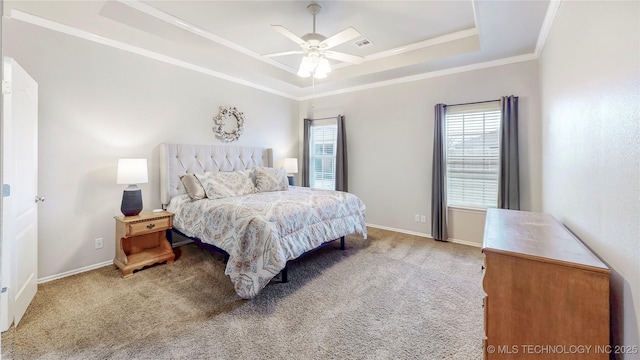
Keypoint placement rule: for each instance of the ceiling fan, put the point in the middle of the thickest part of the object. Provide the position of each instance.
(316, 46)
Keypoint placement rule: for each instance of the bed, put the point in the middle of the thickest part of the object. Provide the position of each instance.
(259, 227)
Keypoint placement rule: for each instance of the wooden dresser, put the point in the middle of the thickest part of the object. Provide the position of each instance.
(547, 294)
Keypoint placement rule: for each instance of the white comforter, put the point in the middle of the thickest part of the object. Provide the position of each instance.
(261, 231)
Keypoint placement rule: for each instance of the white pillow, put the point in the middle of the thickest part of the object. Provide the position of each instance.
(271, 179)
(226, 184)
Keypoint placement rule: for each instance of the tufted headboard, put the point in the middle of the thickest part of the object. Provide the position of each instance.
(178, 159)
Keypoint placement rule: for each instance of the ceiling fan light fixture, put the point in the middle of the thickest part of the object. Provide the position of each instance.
(316, 47)
(323, 66)
(307, 66)
(304, 73)
(316, 64)
(319, 75)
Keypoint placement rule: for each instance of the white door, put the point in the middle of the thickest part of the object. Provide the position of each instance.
(20, 198)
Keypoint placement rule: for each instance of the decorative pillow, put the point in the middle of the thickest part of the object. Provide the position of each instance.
(271, 179)
(226, 184)
(193, 186)
(251, 174)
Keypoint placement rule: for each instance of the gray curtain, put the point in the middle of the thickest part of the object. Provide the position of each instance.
(438, 181)
(509, 182)
(305, 153)
(341, 157)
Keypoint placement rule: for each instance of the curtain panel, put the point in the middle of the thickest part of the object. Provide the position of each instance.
(509, 180)
(342, 178)
(438, 180)
(305, 152)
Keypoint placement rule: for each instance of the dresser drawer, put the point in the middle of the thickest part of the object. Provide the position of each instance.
(146, 226)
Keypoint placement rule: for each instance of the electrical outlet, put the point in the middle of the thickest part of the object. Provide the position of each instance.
(98, 243)
(417, 217)
(423, 218)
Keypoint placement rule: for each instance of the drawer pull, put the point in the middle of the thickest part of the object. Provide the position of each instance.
(151, 226)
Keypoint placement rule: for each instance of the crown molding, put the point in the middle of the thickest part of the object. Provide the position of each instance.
(416, 46)
(428, 75)
(175, 21)
(552, 10)
(65, 29)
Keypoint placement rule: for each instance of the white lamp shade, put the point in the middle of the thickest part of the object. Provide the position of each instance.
(132, 171)
(291, 165)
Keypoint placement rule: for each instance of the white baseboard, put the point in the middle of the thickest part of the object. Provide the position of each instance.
(91, 267)
(409, 232)
(465, 242)
(110, 262)
(76, 271)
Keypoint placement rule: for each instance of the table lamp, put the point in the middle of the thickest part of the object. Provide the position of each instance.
(291, 167)
(132, 172)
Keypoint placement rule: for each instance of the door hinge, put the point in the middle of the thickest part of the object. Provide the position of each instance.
(6, 190)
(6, 87)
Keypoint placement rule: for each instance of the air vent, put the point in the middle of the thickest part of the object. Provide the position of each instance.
(363, 43)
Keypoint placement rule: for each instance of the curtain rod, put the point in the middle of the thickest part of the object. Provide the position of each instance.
(327, 118)
(473, 103)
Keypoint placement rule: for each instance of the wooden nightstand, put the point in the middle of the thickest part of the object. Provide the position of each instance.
(141, 241)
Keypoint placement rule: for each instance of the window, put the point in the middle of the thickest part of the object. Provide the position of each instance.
(322, 154)
(473, 153)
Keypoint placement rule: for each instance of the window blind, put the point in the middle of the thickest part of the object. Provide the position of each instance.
(473, 152)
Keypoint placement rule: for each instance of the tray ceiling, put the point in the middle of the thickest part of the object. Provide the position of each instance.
(228, 38)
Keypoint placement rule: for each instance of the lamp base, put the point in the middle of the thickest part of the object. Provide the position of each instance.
(292, 180)
(131, 201)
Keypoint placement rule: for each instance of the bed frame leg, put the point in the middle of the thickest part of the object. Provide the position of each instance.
(169, 233)
(342, 243)
(285, 275)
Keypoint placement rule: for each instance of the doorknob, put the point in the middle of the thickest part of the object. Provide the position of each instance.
(39, 198)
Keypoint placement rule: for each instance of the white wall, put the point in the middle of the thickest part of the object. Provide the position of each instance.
(98, 104)
(390, 142)
(590, 90)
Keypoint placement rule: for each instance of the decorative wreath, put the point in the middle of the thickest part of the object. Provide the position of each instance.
(220, 121)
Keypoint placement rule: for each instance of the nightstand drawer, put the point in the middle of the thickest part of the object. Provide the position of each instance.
(142, 227)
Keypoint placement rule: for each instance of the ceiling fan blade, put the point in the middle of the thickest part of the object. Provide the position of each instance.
(282, 30)
(294, 52)
(339, 38)
(344, 57)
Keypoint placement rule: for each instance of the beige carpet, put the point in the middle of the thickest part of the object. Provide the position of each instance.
(393, 296)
